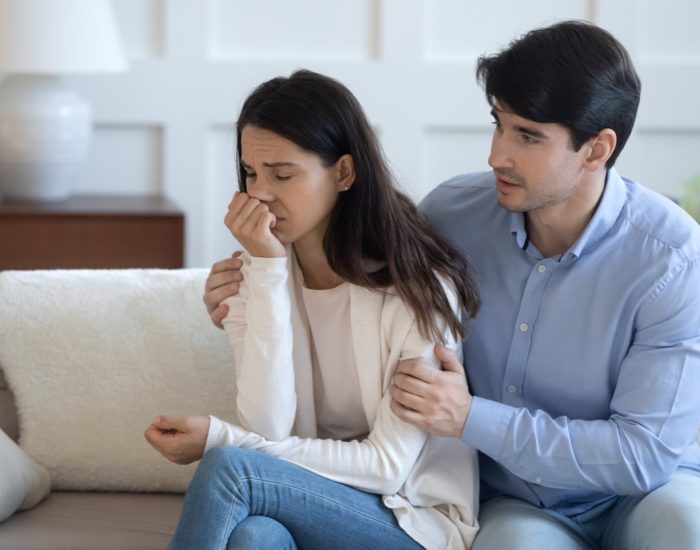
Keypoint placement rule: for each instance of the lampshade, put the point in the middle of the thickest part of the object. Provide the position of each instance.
(59, 36)
(45, 127)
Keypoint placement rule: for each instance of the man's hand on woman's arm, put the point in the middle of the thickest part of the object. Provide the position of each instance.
(223, 281)
(436, 401)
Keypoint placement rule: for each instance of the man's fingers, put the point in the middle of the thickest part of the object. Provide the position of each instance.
(407, 415)
(448, 358)
(405, 398)
(411, 384)
(417, 369)
(213, 298)
(224, 268)
(219, 314)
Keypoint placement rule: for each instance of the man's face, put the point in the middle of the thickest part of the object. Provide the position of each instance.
(534, 163)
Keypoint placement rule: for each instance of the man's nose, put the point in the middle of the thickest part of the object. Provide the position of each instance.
(500, 155)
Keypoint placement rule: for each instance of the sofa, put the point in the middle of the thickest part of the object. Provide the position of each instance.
(87, 358)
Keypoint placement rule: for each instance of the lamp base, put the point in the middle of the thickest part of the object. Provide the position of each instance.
(37, 182)
(45, 132)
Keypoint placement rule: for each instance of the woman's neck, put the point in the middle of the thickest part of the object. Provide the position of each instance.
(313, 262)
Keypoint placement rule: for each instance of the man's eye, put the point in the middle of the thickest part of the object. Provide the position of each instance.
(528, 139)
(283, 178)
(249, 175)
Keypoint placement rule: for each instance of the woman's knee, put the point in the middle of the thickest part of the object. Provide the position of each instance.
(261, 533)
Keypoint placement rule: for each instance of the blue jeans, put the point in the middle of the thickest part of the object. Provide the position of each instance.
(665, 519)
(246, 499)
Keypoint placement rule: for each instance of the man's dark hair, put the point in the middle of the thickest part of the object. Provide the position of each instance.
(572, 73)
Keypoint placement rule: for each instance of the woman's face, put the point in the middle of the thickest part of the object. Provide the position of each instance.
(298, 189)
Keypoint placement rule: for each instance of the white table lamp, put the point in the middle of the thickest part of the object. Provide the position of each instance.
(45, 127)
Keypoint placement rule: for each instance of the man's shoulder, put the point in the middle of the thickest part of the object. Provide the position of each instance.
(461, 192)
(656, 217)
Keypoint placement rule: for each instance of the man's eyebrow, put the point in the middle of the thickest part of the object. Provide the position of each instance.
(531, 132)
(522, 129)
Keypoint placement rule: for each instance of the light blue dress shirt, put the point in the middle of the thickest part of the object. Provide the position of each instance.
(585, 367)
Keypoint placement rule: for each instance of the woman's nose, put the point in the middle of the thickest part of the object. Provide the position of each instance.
(260, 189)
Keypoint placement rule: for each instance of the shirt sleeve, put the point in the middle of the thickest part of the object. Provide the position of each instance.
(654, 412)
(381, 462)
(258, 327)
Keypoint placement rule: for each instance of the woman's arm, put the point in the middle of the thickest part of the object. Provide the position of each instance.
(259, 328)
(381, 462)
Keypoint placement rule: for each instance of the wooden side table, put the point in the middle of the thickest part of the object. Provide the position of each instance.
(92, 231)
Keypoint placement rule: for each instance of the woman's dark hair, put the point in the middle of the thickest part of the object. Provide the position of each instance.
(572, 73)
(372, 220)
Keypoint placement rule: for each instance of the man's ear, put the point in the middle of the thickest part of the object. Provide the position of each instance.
(345, 172)
(600, 149)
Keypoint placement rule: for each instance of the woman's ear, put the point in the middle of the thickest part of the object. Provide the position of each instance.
(345, 172)
(601, 147)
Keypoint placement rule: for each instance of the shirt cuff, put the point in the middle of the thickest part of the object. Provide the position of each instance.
(214, 433)
(487, 425)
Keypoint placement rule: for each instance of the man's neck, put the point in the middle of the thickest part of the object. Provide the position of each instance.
(554, 228)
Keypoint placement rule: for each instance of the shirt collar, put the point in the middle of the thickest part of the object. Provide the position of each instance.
(604, 217)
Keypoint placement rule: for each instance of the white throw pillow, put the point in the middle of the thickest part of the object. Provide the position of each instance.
(92, 356)
(23, 483)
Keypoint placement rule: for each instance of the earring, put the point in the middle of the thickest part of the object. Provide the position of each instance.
(345, 188)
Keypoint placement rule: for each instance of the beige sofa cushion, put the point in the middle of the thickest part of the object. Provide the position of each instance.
(87, 521)
(91, 356)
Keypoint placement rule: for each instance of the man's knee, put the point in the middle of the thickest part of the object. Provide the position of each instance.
(666, 518)
(507, 523)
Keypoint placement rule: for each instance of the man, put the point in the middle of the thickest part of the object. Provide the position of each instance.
(582, 391)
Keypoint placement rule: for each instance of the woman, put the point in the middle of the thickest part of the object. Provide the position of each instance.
(342, 279)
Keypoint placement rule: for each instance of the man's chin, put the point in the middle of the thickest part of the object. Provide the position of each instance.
(507, 203)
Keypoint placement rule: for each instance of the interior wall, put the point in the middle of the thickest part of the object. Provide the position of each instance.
(165, 126)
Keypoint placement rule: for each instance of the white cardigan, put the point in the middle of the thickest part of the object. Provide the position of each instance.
(430, 483)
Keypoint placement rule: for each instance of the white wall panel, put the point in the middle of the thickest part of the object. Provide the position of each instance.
(662, 160)
(451, 151)
(123, 159)
(342, 30)
(668, 35)
(141, 25)
(460, 30)
(221, 182)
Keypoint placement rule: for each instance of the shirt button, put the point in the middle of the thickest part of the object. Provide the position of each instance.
(512, 388)
(538, 480)
(523, 327)
(541, 268)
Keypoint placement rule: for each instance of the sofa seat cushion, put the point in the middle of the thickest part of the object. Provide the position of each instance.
(82, 521)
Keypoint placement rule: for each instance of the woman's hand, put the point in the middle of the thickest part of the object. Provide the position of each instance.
(180, 439)
(251, 222)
